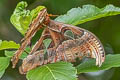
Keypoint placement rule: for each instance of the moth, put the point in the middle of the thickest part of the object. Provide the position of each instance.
(63, 47)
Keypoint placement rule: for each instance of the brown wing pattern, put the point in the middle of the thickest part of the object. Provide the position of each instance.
(89, 43)
(85, 44)
(61, 48)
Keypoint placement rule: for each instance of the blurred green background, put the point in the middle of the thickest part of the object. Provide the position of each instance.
(107, 29)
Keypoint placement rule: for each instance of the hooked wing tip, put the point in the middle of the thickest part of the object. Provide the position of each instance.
(100, 59)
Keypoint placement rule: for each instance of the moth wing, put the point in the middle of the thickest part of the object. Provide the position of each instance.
(87, 41)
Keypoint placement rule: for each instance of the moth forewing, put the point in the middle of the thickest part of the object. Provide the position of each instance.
(34, 27)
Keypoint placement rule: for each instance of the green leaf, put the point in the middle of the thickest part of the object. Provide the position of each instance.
(69, 34)
(35, 11)
(24, 55)
(87, 13)
(8, 45)
(55, 71)
(21, 17)
(1, 73)
(46, 44)
(11, 53)
(4, 63)
(89, 66)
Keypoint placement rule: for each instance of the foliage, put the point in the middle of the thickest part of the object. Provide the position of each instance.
(35, 11)
(89, 66)
(11, 53)
(55, 71)
(69, 34)
(8, 45)
(46, 42)
(21, 19)
(4, 62)
(87, 13)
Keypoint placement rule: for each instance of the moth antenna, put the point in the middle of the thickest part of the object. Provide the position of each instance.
(52, 15)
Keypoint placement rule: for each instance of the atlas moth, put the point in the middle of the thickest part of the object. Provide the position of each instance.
(63, 47)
